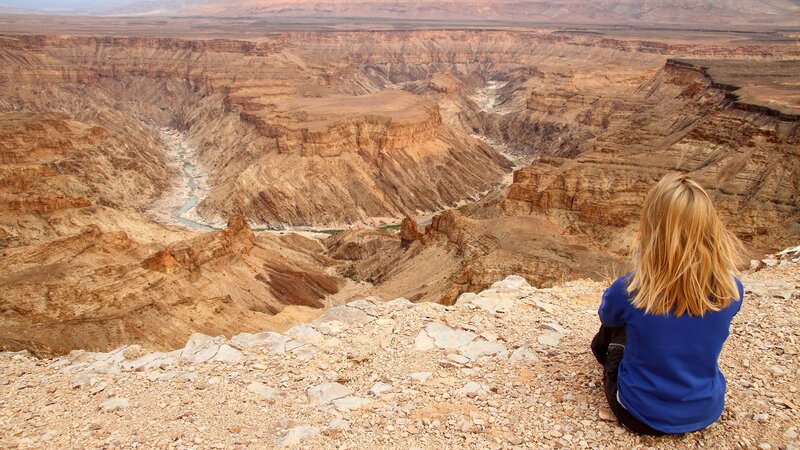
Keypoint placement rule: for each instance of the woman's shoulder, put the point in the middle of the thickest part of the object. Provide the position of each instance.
(619, 288)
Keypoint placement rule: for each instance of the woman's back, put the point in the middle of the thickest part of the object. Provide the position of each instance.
(664, 324)
(668, 377)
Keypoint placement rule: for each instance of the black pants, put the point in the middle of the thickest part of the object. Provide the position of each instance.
(608, 347)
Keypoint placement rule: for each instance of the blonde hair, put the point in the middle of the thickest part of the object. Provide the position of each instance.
(683, 256)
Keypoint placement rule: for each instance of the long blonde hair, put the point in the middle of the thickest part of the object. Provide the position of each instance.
(683, 256)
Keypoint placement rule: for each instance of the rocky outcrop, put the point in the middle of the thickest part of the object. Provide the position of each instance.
(457, 254)
(685, 123)
(466, 372)
(409, 232)
(98, 289)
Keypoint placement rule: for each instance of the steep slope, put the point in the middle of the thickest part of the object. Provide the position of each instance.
(98, 290)
(745, 153)
(509, 366)
(457, 254)
(286, 136)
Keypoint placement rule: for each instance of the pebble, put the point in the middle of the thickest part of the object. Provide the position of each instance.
(114, 404)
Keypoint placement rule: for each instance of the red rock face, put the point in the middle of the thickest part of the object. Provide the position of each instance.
(344, 127)
(746, 158)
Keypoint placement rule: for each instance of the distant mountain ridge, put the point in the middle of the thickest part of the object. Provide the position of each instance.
(706, 12)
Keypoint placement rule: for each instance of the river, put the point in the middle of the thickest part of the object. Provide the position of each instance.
(179, 206)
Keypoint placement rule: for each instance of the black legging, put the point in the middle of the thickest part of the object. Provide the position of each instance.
(608, 347)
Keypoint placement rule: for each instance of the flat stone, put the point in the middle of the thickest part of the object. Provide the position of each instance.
(511, 282)
(304, 333)
(339, 424)
(379, 388)
(331, 327)
(543, 306)
(606, 414)
(466, 297)
(523, 354)
(80, 379)
(297, 435)
(369, 305)
(447, 337)
(477, 349)
(458, 359)
(550, 338)
(472, 389)
(351, 403)
(197, 343)
(228, 354)
(114, 404)
(398, 304)
(555, 326)
(421, 377)
(325, 393)
(423, 342)
(97, 388)
(148, 361)
(276, 342)
(346, 315)
(263, 391)
(494, 304)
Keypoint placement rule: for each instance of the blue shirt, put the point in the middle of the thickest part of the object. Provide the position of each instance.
(669, 378)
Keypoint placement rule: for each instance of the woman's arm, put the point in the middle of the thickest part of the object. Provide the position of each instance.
(612, 306)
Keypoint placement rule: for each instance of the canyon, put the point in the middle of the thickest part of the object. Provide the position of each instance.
(154, 184)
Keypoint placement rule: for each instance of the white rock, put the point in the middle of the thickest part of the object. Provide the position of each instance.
(546, 307)
(476, 349)
(466, 297)
(149, 361)
(523, 354)
(339, 424)
(472, 389)
(423, 342)
(197, 343)
(398, 304)
(263, 391)
(555, 326)
(790, 433)
(97, 388)
(550, 338)
(297, 434)
(494, 304)
(331, 327)
(380, 388)
(777, 370)
(228, 354)
(458, 359)
(763, 417)
(351, 403)
(114, 404)
(421, 377)
(345, 314)
(606, 414)
(325, 393)
(276, 342)
(447, 337)
(511, 282)
(304, 333)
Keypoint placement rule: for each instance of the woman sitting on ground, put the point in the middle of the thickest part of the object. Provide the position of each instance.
(664, 324)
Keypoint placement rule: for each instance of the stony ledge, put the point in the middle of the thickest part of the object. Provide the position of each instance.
(506, 367)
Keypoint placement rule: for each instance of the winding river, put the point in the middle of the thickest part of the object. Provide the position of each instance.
(179, 207)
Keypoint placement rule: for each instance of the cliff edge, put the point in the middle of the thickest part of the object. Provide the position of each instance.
(507, 367)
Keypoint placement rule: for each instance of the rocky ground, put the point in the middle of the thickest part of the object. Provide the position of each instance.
(507, 367)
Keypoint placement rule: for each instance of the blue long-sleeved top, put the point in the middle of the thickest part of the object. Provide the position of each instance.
(669, 377)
